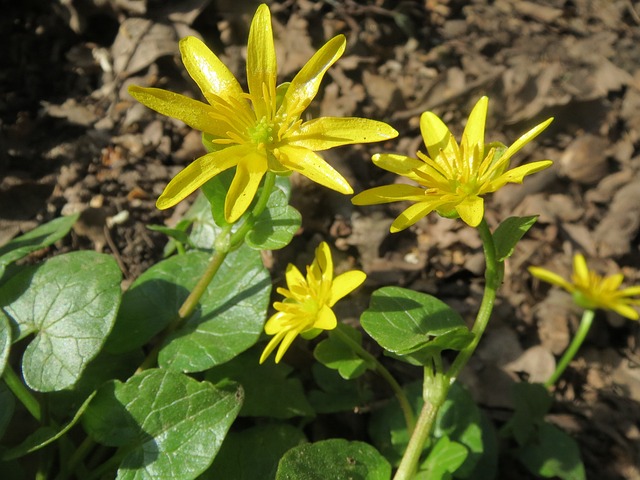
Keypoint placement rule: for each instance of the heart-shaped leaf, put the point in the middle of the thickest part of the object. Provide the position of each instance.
(169, 425)
(70, 303)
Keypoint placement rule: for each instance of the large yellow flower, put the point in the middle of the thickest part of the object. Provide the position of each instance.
(452, 177)
(591, 291)
(306, 308)
(260, 131)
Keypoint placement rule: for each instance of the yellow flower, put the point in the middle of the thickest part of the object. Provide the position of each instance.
(306, 308)
(452, 177)
(260, 131)
(591, 291)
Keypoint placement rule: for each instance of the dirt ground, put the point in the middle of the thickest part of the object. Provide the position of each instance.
(71, 139)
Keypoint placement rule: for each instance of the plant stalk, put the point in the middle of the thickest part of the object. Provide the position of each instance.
(581, 334)
(21, 392)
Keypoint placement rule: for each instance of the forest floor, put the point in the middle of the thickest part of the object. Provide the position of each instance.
(72, 140)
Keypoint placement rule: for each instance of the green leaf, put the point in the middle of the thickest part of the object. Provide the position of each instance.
(38, 238)
(7, 406)
(335, 354)
(44, 436)
(413, 325)
(215, 191)
(5, 341)
(443, 460)
(168, 425)
(335, 394)
(268, 390)
(336, 459)
(531, 401)
(70, 303)
(552, 453)
(509, 233)
(230, 316)
(266, 444)
(277, 224)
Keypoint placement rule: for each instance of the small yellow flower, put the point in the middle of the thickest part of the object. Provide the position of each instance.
(452, 177)
(591, 291)
(306, 308)
(260, 131)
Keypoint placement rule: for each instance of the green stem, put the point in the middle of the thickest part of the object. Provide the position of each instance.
(78, 457)
(22, 393)
(407, 411)
(581, 333)
(437, 385)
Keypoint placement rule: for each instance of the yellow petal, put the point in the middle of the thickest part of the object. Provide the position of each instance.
(580, 270)
(471, 210)
(412, 214)
(325, 262)
(197, 173)
(612, 282)
(295, 279)
(262, 70)
(326, 319)
(398, 164)
(273, 343)
(550, 277)
(435, 134)
(388, 194)
(313, 167)
(474, 130)
(516, 175)
(328, 132)
(244, 186)
(288, 339)
(344, 284)
(206, 69)
(305, 84)
(275, 323)
(624, 310)
(630, 291)
(192, 112)
(524, 139)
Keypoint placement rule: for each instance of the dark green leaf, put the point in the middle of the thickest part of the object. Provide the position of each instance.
(509, 233)
(336, 459)
(269, 392)
(7, 406)
(413, 325)
(335, 394)
(552, 454)
(215, 190)
(276, 226)
(531, 401)
(70, 303)
(5, 341)
(169, 425)
(444, 459)
(38, 238)
(267, 443)
(335, 354)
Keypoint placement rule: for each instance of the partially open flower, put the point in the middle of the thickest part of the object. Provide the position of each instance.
(306, 308)
(451, 178)
(261, 130)
(591, 291)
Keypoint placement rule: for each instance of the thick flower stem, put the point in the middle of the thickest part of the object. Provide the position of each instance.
(22, 393)
(581, 333)
(437, 385)
(407, 411)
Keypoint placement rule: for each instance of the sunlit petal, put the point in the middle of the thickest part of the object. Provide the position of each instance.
(398, 164)
(271, 346)
(328, 132)
(326, 319)
(625, 310)
(516, 175)
(306, 83)
(613, 282)
(580, 269)
(471, 210)
(314, 167)
(412, 214)
(473, 134)
(344, 284)
(244, 186)
(524, 139)
(389, 193)
(435, 133)
(197, 173)
(262, 68)
(288, 339)
(630, 291)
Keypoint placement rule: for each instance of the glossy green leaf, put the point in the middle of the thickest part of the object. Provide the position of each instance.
(509, 233)
(44, 436)
(7, 406)
(335, 394)
(266, 444)
(38, 238)
(70, 303)
(169, 425)
(337, 459)
(335, 354)
(552, 454)
(443, 460)
(413, 325)
(269, 391)
(276, 226)
(215, 191)
(230, 316)
(531, 402)
(5, 341)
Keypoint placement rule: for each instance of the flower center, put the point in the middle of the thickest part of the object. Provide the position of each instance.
(262, 132)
